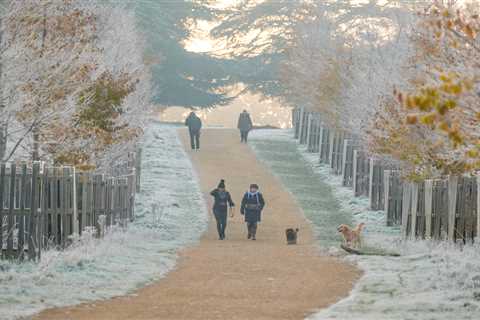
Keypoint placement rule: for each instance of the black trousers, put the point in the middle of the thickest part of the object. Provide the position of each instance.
(252, 228)
(195, 139)
(221, 218)
(244, 136)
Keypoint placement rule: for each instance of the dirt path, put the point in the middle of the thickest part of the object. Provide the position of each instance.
(236, 278)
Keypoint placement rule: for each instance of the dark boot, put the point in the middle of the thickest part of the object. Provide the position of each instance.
(219, 228)
(254, 231)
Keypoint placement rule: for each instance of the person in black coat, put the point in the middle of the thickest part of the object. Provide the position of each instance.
(194, 124)
(244, 125)
(222, 202)
(252, 206)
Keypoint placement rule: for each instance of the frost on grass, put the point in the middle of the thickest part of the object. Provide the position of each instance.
(124, 260)
(430, 280)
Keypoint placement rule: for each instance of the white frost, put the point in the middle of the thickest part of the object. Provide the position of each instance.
(94, 269)
(430, 280)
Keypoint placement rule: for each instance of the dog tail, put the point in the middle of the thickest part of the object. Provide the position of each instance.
(360, 227)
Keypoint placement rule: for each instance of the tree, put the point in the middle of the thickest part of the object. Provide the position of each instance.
(77, 84)
(443, 102)
(49, 57)
(345, 56)
(253, 37)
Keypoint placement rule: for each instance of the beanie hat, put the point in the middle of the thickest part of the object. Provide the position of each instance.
(221, 185)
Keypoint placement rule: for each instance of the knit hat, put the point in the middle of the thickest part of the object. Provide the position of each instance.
(221, 185)
(254, 185)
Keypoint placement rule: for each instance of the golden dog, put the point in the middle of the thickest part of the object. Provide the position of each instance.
(351, 237)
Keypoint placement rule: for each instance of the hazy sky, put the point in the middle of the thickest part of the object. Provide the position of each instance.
(264, 111)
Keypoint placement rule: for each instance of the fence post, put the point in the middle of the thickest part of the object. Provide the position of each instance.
(478, 209)
(330, 145)
(138, 169)
(344, 158)
(319, 137)
(2, 188)
(354, 175)
(320, 149)
(75, 221)
(406, 200)
(22, 219)
(428, 208)
(386, 188)
(370, 181)
(452, 204)
(294, 115)
(43, 215)
(300, 125)
(413, 212)
(309, 128)
(11, 208)
(33, 212)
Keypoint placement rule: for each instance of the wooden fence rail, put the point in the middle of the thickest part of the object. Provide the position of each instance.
(432, 209)
(43, 207)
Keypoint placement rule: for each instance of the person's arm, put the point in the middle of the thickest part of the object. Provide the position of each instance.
(261, 201)
(239, 123)
(214, 192)
(244, 201)
(187, 121)
(230, 201)
(200, 123)
(250, 121)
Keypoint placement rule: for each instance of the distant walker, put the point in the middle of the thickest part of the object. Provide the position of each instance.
(194, 124)
(244, 125)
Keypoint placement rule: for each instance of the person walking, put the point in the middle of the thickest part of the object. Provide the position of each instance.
(222, 201)
(194, 124)
(244, 125)
(252, 206)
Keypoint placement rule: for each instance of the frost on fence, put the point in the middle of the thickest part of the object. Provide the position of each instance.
(43, 207)
(438, 209)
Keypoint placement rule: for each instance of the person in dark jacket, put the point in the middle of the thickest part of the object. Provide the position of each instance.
(222, 202)
(244, 125)
(252, 206)
(194, 124)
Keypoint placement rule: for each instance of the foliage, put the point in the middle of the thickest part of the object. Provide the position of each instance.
(96, 123)
(444, 102)
(47, 43)
(345, 56)
(104, 103)
(77, 89)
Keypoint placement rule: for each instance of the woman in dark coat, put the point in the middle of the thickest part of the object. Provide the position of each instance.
(223, 201)
(252, 206)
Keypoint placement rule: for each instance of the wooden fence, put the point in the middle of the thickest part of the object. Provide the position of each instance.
(43, 207)
(433, 209)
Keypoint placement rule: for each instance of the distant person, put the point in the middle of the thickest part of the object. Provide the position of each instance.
(244, 125)
(223, 201)
(252, 206)
(194, 124)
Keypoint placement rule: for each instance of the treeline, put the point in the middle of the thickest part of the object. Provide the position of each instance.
(74, 86)
(403, 77)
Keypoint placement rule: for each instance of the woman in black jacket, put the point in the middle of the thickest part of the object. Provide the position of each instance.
(252, 206)
(223, 201)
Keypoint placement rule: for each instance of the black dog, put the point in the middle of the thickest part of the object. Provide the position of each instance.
(291, 235)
